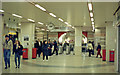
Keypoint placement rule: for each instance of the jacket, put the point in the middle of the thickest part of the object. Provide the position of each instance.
(89, 46)
(19, 49)
(8, 45)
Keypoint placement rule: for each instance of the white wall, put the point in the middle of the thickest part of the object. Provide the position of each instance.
(27, 29)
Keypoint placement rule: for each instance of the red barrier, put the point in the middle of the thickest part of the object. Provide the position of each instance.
(25, 53)
(111, 59)
(34, 53)
(104, 55)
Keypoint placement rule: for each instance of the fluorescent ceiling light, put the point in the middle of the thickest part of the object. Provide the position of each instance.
(93, 23)
(73, 27)
(92, 19)
(40, 23)
(19, 24)
(2, 11)
(66, 23)
(60, 19)
(52, 15)
(42, 29)
(90, 6)
(17, 16)
(40, 7)
(47, 30)
(37, 28)
(69, 25)
(91, 14)
(31, 20)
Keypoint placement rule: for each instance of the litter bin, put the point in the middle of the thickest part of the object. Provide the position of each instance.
(104, 55)
(25, 53)
(112, 54)
(34, 53)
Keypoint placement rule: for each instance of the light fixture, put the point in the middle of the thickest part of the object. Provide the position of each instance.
(42, 29)
(73, 27)
(19, 24)
(91, 14)
(47, 30)
(90, 6)
(66, 23)
(40, 23)
(69, 25)
(92, 19)
(93, 23)
(37, 28)
(2, 11)
(46, 25)
(60, 19)
(52, 14)
(40, 7)
(17, 15)
(31, 20)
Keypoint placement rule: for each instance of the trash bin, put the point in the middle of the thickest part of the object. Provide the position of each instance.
(104, 55)
(34, 53)
(112, 54)
(25, 53)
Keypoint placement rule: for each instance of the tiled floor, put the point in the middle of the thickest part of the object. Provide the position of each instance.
(62, 64)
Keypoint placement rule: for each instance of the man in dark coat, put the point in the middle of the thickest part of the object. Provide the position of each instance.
(39, 48)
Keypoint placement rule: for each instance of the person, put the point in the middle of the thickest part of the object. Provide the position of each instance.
(50, 48)
(45, 50)
(93, 48)
(55, 47)
(72, 49)
(65, 46)
(99, 50)
(90, 48)
(18, 50)
(8, 47)
(39, 48)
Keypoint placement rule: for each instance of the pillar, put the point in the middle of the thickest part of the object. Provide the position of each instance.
(111, 41)
(27, 30)
(78, 40)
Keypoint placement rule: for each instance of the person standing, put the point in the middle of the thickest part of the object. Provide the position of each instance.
(45, 50)
(8, 47)
(90, 48)
(50, 48)
(39, 48)
(55, 48)
(18, 53)
(93, 48)
(99, 50)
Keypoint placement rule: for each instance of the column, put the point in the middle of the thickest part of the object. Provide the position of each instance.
(27, 30)
(111, 41)
(78, 40)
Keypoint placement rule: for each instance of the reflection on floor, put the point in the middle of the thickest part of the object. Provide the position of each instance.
(62, 64)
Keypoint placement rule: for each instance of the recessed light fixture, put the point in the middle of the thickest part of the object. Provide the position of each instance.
(90, 6)
(19, 24)
(93, 23)
(31, 20)
(40, 7)
(60, 19)
(40, 23)
(17, 15)
(2, 11)
(91, 14)
(66, 23)
(92, 19)
(42, 29)
(52, 14)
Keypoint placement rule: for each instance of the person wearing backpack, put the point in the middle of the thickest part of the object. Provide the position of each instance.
(99, 50)
(8, 47)
(18, 53)
(90, 48)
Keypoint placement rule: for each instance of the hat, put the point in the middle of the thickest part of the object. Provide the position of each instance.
(6, 36)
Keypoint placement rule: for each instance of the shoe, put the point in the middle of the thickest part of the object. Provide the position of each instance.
(100, 57)
(5, 67)
(96, 57)
(46, 60)
(43, 60)
(16, 67)
(9, 66)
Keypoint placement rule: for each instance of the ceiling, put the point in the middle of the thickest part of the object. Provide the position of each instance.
(75, 13)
